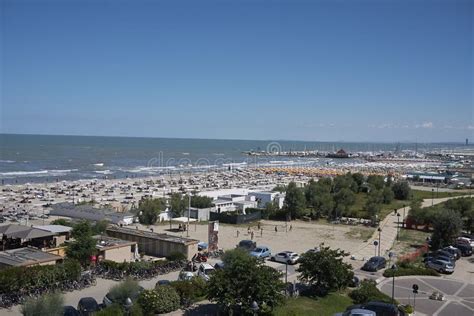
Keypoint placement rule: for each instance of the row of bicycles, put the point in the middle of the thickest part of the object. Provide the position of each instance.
(7, 300)
(137, 273)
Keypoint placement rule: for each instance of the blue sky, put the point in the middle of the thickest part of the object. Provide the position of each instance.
(299, 70)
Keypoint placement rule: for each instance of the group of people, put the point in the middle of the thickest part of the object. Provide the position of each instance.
(251, 233)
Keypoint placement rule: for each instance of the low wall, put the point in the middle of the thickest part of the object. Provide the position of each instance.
(235, 219)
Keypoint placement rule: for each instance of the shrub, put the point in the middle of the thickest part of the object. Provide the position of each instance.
(367, 292)
(176, 256)
(163, 299)
(406, 268)
(127, 289)
(190, 291)
(46, 305)
(112, 310)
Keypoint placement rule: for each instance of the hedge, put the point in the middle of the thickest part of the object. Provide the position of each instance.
(409, 270)
(24, 279)
(367, 292)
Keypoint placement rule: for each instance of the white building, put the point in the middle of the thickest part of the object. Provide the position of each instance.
(263, 198)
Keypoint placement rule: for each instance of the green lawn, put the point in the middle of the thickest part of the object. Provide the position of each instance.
(329, 305)
(362, 233)
(417, 194)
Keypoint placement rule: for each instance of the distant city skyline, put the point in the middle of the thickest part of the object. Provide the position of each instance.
(353, 71)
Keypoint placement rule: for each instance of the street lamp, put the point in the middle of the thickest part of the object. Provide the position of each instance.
(189, 212)
(128, 305)
(398, 226)
(432, 196)
(403, 219)
(376, 243)
(254, 307)
(380, 239)
(394, 267)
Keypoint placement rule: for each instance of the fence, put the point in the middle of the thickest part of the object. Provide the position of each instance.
(235, 218)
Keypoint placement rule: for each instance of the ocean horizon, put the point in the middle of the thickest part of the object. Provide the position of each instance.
(47, 158)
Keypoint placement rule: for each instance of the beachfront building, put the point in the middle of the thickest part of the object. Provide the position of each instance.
(263, 198)
(26, 257)
(17, 236)
(154, 244)
(89, 212)
(117, 250)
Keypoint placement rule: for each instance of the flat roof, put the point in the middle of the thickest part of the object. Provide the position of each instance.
(88, 212)
(107, 242)
(54, 228)
(23, 232)
(152, 235)
(26, 257)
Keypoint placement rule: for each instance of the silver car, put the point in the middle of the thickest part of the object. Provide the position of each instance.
(288, 257)
(440, 266)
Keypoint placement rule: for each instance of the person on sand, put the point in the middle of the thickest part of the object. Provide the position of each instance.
(291, 227)
(276, 229)
(261, 232)
(251, 235)
(238, 233)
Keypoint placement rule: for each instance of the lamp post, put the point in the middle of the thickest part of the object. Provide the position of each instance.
(398, 226)
(380, 238)
(432, 197)
(403, 219)
(376, 243)
(415, 291)
(189, 212)
(394, 267)
(254, 307)
(128, 305)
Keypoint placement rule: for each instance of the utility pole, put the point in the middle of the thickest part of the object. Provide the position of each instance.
(189, 213)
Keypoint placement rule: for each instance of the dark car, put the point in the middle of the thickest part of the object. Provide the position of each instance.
(466, 250)
(70, 311)
(374, 264)
(163, 282)
(109, 299)
(381, 309)
(445, 253)
(248, 245)
(454, 251)
(87, 306)
(436, 256)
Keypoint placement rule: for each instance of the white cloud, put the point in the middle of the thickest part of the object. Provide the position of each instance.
(470, 127)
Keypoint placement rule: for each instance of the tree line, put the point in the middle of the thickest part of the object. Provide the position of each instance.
(333, 198)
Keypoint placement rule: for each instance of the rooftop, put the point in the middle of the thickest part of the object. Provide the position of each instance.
(107, 242)
(26, 257)
(23, 232)
(54, 228)
(152, 235)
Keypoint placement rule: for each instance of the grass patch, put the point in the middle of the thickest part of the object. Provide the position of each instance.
(419, 194)
(413, 237)
(416, 268)
(362, 233)
(328, 305)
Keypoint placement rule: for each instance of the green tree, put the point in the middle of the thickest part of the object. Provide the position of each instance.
(201, 201)
(99, 227)
(447, 226)
(344, 199)
(83, 245)
(270, 209)
(376, 182)
(190, 291)
(295, 202)
(62, 221)
(244, 280)
(178, 204)
(358, 178)
(149, 209)
(163, 299)
(387, 195)
(401, 190)
(367, 292)
(279, 188)
(126, 289)
(46, 305)
(325, 270)
(345, 182)
(112, 310)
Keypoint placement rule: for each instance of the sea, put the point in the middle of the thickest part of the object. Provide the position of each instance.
(47, 158)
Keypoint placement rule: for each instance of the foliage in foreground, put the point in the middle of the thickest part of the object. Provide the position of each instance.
(46, 305)
(83, 246)
(163, 299)
(308, 306)
(17, 279)
(127, 289)
(406, 268)
(190, 291)
(325, 270)
(244, 280)
(367, 292)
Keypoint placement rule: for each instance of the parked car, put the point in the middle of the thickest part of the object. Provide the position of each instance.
(248, 245)
(162, 282)
(261, 252)
(70, 311)
(202, 246)
(440, 266)
(445, 253)
(357, 312)
(454, 251)
(466, 250)
(436, 256)
(465, 240)
(380, 309)
(87, 306)
(288, 257)
(185, 276)
(205, 271)
(109, 299)
(219, 265)
(374, 264)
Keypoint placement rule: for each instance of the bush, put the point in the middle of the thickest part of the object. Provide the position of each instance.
(127, 289)
(163, 299)
(176, 256)
(29, 278)
(367, 292)
(46, 305)
(190, 291)
(406, 268)
(112, 310)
